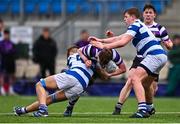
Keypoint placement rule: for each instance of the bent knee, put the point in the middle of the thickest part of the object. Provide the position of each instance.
(38, 84)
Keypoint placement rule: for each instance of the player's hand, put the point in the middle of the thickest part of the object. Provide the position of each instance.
(109, 33)
(97, 44)
(92, 38)
(88, 63)
(168, 44)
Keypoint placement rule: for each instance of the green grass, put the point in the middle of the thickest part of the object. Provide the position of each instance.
(91, 110)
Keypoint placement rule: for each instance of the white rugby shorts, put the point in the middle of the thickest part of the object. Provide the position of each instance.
(69, 84)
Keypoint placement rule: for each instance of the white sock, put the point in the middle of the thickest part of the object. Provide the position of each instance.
(3, 92)
(11, 91)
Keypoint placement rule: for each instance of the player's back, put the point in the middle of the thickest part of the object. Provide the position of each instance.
(78, 69)
(92, 52)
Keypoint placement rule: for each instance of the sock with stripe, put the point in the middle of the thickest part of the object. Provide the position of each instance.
(142, 107)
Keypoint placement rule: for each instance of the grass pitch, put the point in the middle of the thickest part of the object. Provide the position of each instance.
(91, 110)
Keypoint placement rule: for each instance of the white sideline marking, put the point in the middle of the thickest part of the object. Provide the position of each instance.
(94, 113)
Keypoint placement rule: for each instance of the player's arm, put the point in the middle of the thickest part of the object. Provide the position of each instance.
(106, 40)
(165, 38)
(168, 44)
(121, 69)
(118, 42)
(87, 62)
(102, 74)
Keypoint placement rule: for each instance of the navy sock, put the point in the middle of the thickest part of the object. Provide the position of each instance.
(72, 103)
(118, 105)
(43, 107)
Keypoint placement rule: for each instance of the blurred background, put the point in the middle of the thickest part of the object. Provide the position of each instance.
(66, 22)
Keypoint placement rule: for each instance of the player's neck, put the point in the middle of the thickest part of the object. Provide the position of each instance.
(148, 23)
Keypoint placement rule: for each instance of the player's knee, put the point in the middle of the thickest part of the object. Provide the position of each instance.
(133, 79)
(41, 83)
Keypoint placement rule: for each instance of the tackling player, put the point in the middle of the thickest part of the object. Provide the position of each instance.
(146, 45)
(94, 54)
(149, 15)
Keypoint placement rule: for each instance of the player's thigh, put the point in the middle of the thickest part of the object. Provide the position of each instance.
(131, 71)
(139, 74)
(50, 82)
(154, 63)
(60, 95)
(148, 81)
(74, 92)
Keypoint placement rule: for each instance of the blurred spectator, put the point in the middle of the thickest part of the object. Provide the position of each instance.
(174, 71)
(1, 29)
(84, 35)
(44, 53)
(1, 38)
(7, 52)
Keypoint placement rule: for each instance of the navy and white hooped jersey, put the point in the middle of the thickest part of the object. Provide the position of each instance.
(92, 52)
(78, 69)
(144, 40)
(159, 32)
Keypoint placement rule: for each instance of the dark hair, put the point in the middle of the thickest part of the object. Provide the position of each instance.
(84, 31)
(6, 31)
(69, 50)
(46, 29)
(149, 6)
(104, 57)
(133, 11)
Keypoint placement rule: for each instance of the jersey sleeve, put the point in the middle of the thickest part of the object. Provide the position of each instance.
(133, 29)
(85, 51)
(116, 57)
(89, 51)
(164, 34)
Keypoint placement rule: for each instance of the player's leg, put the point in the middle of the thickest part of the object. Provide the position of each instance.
(69, 108)
(155, 85)
(149, 94)
(50, 83)
(122, 98)
(123, 95)
(53, 98)
(136, 79)
(151, 65)
(2, 90)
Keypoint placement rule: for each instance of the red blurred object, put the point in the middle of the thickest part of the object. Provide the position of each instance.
(6, 87)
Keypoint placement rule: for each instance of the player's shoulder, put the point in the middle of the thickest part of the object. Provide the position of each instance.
(159, 26)
(137, 23)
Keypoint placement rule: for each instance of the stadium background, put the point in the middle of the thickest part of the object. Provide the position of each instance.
(66, 18)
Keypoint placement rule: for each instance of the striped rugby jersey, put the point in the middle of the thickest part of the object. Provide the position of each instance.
(159, 32)
(78, 69)
(144, 40)
(92, 52)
